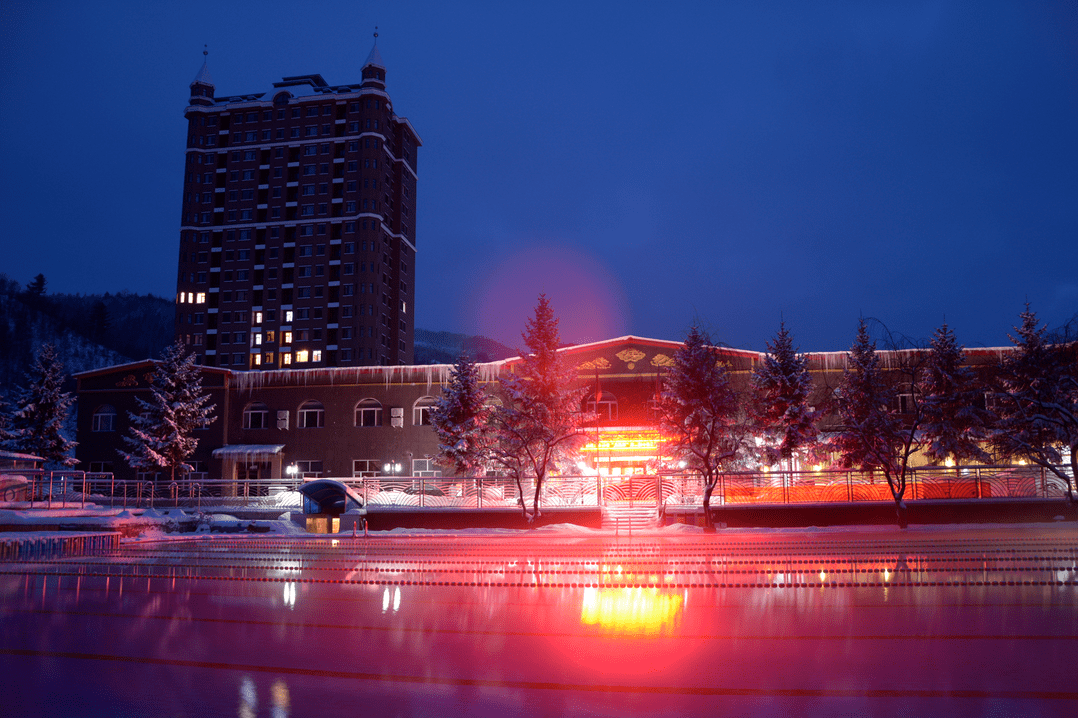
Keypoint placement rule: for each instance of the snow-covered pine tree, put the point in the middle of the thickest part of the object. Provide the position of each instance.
(781, 411)
(699, 412)
(6, 433)
(955, 421)
(873, 437)
(1038, 401)
(460, 420)
(41, 407)
(162, 435)
(538, 420)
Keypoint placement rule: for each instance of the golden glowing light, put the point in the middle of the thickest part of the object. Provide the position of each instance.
(612, 441)
(949, 462)
(631, 611)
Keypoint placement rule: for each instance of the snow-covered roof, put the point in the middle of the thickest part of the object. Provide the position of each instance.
(9, 455)
(375, 58)
(203, 76)
(246, 450)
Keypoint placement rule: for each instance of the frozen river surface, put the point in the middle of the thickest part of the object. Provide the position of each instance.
(930, 621)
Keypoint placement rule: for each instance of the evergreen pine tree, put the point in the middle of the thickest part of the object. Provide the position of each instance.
(41, 408)
(538, 420)
(955, 423)
(36, 287)
(460, 420)
(6, 433)
(162, 435)
(873, 437)
(1038, 413)
(782, 385)
(699, 412)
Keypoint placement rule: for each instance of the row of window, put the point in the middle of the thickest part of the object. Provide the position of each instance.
(238, 118)
(210, 158)
(312, 414)
(372, 468)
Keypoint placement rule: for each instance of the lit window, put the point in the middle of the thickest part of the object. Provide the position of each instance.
(288, 316)
(316, 355)
(302, 356)
(286, 358)
(258, 317)
(200, 298)
(257, 358)
(190, 298)
(286, 337)
(258, 339)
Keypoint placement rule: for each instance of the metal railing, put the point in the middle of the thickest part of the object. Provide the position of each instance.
(67, 488)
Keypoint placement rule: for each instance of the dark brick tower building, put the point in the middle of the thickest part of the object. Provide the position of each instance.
(297, 237)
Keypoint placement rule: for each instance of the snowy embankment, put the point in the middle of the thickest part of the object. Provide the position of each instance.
(144, 525)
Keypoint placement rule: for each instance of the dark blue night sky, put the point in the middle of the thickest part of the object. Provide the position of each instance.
(645, 164)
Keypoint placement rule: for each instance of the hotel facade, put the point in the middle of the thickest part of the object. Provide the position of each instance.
(297, 231)
(355, 422)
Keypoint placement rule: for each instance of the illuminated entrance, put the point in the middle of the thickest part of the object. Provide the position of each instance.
(621, 451)
(626, 461)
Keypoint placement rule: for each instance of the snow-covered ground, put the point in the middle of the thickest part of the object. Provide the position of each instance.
(955, 621)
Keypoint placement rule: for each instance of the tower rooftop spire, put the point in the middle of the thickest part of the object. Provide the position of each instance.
(203, 76)
(375, 57)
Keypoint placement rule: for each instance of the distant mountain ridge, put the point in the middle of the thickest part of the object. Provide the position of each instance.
(444, 347)
(91, 331)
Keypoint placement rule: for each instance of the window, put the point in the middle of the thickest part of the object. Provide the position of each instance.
(312, 415)
(104, 419)
(366, 467)
(309, 469)
(369, 413)
(606, 406)
(421, 410)
(425, 468)
(255, 416)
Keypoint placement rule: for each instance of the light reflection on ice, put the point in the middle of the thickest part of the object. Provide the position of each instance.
(632, 611)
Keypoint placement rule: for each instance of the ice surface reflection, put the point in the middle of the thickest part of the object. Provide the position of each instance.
(280, 702)
(730, 624)
(632, 611)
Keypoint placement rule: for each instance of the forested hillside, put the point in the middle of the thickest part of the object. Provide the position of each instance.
(88, 330)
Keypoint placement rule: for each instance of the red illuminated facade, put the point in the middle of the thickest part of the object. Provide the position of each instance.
(346, 422)
(298, 237)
